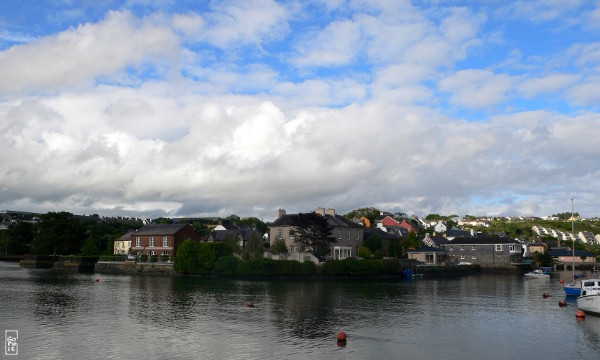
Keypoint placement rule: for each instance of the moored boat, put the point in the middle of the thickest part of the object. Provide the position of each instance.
(537, 274)
(573, 288)
(589, 300)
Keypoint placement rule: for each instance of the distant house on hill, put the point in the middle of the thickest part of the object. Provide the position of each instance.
(566, 256)
(163, 240)
(429, 255)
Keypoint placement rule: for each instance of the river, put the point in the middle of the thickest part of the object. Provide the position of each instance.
(73, 316)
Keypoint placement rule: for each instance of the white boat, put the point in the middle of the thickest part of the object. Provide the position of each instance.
(589, 300)
(537, 274)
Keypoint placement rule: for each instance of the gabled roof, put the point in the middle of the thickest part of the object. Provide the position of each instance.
(161, 229)
(126, 237)
(382, 234)
(220, 235)
(334, 221)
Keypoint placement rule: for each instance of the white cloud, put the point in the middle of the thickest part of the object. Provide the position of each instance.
(335, 45)
(548, 84)
(476, 88)
(79, 55)
(239, 22)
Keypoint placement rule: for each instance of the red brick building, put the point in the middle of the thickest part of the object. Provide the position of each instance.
(161, 239)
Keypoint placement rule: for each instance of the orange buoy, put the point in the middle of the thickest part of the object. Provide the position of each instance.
(97, 280)
(546, 295)
(580, 314)
(341, 337)
(562, 303)
(250, 304)
(562, 281)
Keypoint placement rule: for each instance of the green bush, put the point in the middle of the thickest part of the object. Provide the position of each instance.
(351, 267)
(226, 265)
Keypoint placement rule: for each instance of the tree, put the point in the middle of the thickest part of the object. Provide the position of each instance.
(411, 241)
(312, 233)
(373, 243)
(364, 252)
(394, 248)
(188, 259)
(59, 233)
(279, 247)
(254, 247)
(19, 237)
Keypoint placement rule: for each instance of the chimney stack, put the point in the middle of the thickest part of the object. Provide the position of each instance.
(280, 213)
(330, 212)
(320, 211)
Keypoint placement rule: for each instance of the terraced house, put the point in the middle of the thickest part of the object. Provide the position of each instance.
(349, 235)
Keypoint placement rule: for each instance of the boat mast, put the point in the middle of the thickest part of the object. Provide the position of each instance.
(573, 237)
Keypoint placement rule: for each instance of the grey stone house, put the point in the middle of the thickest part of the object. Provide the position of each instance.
(349, 235)
(487, 251)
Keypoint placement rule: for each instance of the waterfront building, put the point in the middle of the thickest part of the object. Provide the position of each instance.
(161, 240)
(349, 235)
(487, 251)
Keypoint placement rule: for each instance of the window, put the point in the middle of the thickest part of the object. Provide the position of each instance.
(340, 234)
(291, 248)
(356, 234)
(279, 235)
(165, 241)
(348, 234)
(498, 247)
(151, 241)
(462, 257)
(138, 241)
(165, 253)
(450, 247)
(152, 253)
(473, 247)
(473, 257)
(342, 252)
(511, 247)
(462, 248)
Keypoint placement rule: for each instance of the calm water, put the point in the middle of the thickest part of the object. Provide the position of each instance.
(132, 317)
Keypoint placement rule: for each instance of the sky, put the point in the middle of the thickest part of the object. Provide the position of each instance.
(211, 108)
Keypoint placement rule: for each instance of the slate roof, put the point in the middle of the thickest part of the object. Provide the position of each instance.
(334, 221)
(126, 237)
(160, 229)
(578, 253)
(483, 240)
(382, 234)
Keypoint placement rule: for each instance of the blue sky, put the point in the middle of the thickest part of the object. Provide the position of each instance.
(185, 108)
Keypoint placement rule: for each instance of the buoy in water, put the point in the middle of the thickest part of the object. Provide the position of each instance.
(580, 314)
(562, 303)
(250, 304)
(562, 281)
(341, 338)
(97, 280)
(546, 295)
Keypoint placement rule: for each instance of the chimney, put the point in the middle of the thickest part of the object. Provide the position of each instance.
(280, 213)
(330, 212)
(320, 211)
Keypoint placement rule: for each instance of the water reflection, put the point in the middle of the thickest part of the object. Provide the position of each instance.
(72, 316)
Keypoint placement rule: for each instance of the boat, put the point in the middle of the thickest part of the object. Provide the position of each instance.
(589, 300)
(573, 288)
(537, 274)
